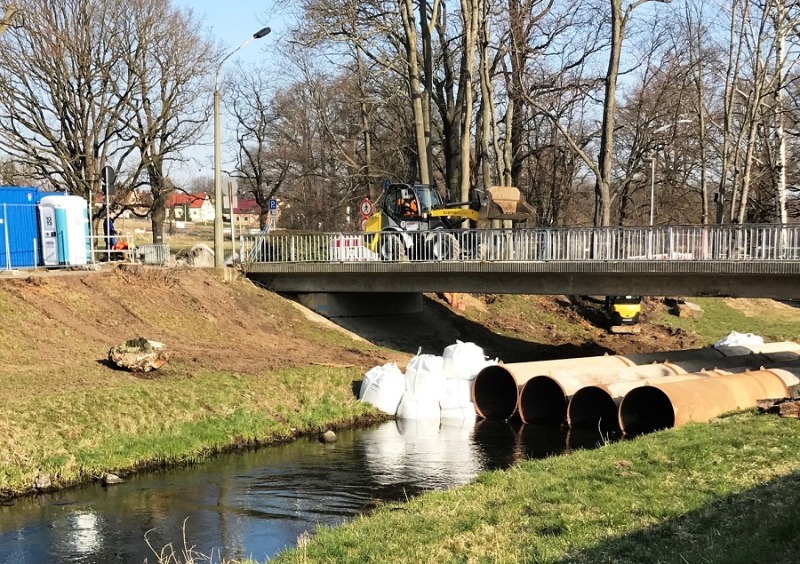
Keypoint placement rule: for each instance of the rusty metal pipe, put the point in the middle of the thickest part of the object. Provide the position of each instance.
(495, 390)
(544, 399)
(662, 406)
(594, 407)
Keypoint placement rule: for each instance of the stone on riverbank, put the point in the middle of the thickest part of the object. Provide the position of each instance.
(139, 355)
(42, 481)
(327, 437)
(109, 479)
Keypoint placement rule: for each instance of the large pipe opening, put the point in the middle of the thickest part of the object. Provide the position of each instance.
(644, 410)
(542, 401)
(494, 393)
(592, 407)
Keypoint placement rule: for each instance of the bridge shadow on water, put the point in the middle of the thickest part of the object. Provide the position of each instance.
(437, 326)
(761, 524)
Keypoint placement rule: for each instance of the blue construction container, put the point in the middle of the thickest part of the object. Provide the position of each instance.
(19, 228)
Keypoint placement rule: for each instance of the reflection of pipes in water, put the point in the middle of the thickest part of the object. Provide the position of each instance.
(497, 441)
(544, 399)
(661, 406)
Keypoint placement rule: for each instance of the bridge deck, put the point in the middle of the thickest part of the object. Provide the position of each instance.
(746, 261)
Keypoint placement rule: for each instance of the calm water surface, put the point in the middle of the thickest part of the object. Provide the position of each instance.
(258, 503)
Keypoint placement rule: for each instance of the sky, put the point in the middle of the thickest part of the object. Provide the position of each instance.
(231, 23)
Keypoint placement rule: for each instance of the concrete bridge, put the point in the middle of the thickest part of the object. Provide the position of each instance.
(725, 260)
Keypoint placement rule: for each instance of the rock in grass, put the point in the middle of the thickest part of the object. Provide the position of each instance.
(327, 437)
(42, 481)
(109, 479)
(139, 355)
(687, 310)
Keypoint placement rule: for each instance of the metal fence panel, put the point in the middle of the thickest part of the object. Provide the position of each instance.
(672, 243)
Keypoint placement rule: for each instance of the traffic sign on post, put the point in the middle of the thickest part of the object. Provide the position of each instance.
(273, 206)
(365, 207)
(108, 177)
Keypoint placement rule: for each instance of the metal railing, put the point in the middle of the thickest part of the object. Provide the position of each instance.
(675, 243)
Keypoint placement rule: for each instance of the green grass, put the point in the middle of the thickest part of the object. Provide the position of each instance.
(721, 492)
(78, 434)
(719, 319)
(523, 310)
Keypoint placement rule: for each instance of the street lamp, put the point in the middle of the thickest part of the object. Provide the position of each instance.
(652, 159)
(219, 258)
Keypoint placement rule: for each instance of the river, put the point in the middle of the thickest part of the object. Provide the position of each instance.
(257, 503)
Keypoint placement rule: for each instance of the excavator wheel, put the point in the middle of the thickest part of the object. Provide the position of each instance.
(392, 248)
(444, 246)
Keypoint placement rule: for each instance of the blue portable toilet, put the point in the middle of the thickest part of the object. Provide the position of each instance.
(19, 229)
(71, 233)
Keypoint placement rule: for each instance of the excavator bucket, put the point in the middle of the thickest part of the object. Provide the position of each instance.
(506, 202)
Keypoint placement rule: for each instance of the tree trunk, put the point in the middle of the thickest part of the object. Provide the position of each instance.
(415, 88)
(602, 189)
(470, 16)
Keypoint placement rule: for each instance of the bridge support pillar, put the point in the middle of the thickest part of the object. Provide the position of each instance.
(365, 304)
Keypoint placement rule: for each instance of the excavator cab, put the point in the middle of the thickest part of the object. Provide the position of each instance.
(623, 314)
(411, 217)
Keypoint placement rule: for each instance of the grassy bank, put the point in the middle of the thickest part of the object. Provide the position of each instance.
(722, 492)
(774, 321)
(246, 368)
(77, 435)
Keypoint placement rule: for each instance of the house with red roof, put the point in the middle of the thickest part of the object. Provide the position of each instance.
(190, 207)
(247, 211)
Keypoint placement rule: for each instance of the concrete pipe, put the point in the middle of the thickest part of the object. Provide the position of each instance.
(662, 406)
(495, 390)
(544, 399)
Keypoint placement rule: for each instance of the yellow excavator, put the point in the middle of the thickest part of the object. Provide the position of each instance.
(623, 314)
(412, 221)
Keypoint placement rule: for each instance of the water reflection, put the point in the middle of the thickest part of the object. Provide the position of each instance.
(257, 503)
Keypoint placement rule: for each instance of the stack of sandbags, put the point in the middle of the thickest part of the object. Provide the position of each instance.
(433, 387)
(461, 363)
(424, 386)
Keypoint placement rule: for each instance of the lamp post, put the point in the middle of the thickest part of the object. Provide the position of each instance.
(219, 258)
(652, 186)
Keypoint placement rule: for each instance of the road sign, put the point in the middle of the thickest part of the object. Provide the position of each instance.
(387, 183)
(273, 204)
(108, 177)
(365, 207)
(230, 187)
(362, 223)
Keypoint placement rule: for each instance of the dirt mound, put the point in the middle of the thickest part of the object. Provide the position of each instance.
(68, 323)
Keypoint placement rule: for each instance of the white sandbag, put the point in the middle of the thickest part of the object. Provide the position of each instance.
(385, 388)
(734, 339)
(425, 377)
(373, 374)
(464, 412)
(456, 392)
(416, 407)
(462, 360)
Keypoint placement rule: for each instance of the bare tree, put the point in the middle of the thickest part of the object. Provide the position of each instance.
(64, 92)
(259, 165)
(169, 61)
(85, 83)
